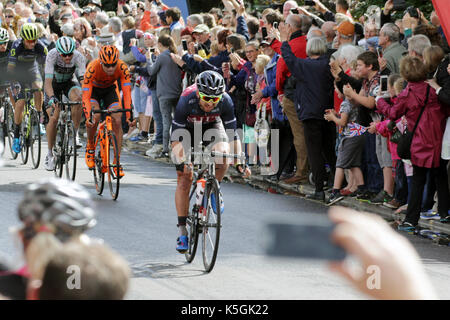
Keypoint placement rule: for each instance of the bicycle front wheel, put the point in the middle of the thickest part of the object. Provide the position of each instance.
(113, 166)
(24, 151)
(192, 226)
(99, 175)
(35, 140)
(9, 124)
(70, 152)
(211, 225)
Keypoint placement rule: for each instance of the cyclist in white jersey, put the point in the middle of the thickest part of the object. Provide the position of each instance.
(60, 66)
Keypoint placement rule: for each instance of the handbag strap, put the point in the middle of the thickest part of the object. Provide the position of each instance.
(423, 108)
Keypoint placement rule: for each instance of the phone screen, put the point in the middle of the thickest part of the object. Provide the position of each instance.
(275, 25)
(384, 83)
(185, 47)
(264, 32)
(310, 240)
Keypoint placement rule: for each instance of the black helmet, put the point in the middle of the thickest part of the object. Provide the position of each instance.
(210, 83)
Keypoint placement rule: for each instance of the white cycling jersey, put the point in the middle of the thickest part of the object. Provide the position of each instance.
(56, 69)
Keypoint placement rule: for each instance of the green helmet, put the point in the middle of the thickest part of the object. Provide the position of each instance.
(29, 31)
(65, 45)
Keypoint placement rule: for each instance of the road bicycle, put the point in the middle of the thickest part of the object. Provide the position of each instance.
(65, 151)
(7, 113)
(30, 133)
(107, 153)
(202, 217)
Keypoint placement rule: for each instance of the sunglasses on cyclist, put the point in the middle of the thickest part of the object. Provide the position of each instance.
(64, 55)
(112, 65)
(30, 41)
(206, 98)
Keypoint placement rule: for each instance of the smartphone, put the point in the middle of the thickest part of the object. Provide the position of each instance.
(384, 84)
(309, 3)
(380, 53)
(264, 32)
(275, 25)
(185, 46)
(232, 50)
(309, 240)
(152, 50)
(294, 11)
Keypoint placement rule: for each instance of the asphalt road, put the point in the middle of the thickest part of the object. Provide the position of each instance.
(141, 226)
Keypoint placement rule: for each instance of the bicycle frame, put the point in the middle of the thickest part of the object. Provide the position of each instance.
(101, 139)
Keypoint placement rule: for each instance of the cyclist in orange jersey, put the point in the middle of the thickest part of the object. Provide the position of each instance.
(101, 84)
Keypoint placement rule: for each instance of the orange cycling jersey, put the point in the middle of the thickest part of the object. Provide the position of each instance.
(96, 77)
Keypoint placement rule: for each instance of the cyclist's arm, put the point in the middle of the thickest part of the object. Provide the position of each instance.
(125, 81)
(12, 58)
(80, 67)
(179, 122)
(229, 122)
(49, 72)
(87, 91)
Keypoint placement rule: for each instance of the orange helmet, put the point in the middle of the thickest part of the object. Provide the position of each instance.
(109, 54)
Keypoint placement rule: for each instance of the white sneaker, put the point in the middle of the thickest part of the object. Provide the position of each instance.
(154, 151)
(78, 141)
(131, 134)
(49, 163)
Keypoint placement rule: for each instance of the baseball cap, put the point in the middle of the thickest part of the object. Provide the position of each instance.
(201, 28)
(346, 28)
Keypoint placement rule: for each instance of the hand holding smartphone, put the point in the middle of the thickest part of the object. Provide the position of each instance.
(310, 240)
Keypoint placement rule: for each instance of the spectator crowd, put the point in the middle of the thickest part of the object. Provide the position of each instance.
(341, 93)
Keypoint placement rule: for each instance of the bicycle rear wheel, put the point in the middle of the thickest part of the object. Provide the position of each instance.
(211, 226)
(70, 151)
(24, 151)
(113, 166)
(35, 139)
(99, 175)
(192, 226)
(9, 124)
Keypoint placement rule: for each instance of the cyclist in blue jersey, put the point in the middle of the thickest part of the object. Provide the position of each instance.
(203, 114)
(26, 56)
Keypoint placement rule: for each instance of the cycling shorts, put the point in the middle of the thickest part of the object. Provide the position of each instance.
(108, 96)
(60, 89)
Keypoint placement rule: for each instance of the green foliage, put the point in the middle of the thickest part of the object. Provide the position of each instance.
(360, 7)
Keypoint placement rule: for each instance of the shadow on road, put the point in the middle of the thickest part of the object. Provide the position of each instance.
(158, 270)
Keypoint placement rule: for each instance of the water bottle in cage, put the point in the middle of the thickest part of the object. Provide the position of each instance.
(200, 192)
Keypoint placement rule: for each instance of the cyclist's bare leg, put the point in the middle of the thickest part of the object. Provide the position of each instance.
(18, 110)
(91, 131)
(75, 95)
(221, 164)
(184, 182)
(38, 95)
(117, 128)
(51, 126)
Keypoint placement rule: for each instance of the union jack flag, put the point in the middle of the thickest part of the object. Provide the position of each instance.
(356, 129)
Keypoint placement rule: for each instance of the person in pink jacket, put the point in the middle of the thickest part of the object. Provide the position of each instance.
(427, 141)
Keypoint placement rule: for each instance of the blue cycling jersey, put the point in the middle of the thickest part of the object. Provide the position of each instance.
(188, 111)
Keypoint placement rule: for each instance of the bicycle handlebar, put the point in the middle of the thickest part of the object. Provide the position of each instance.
(111, 111)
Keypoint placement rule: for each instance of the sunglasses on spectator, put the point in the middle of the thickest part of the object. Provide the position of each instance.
(208, 99)
(112, 65)
(10, 17)
(64, 55)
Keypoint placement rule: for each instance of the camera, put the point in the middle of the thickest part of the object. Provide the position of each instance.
(294, 11)
(412, 12)
(152, 50)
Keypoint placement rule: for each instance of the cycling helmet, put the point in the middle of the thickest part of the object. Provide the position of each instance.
(65, 45)
(210, 83)
(64, 206)
(29, 31)
(4, 35)
(109, 54)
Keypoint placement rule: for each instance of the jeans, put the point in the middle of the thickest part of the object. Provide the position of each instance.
(439, 177)
(167, 107)
(373, 175)
(320, 138)
(157, 117)
(140, 100)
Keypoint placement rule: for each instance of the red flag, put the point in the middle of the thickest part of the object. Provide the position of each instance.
(442, 8)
